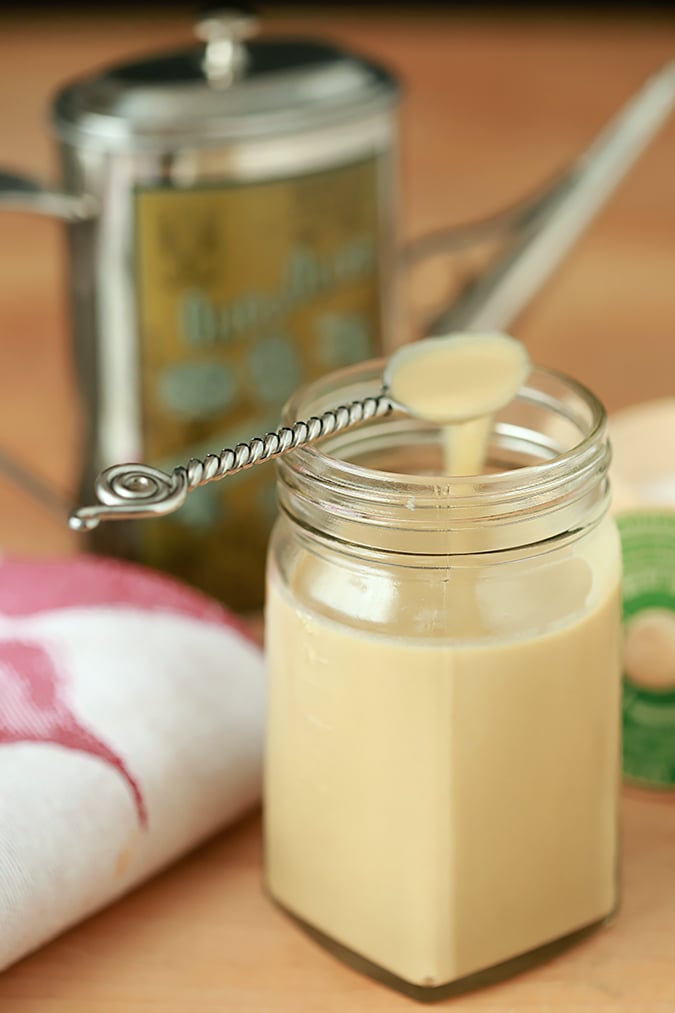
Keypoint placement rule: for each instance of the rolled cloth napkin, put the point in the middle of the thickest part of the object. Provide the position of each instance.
(131, 728)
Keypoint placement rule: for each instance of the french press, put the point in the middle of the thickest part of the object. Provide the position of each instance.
(231, 214)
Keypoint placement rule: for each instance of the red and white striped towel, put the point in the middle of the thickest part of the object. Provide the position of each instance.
(131, 728)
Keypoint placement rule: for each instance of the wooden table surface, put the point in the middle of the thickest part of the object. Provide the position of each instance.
(492, 107)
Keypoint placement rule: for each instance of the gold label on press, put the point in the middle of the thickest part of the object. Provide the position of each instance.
(244, 293)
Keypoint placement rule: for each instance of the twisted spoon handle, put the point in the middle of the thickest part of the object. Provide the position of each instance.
(131, 491)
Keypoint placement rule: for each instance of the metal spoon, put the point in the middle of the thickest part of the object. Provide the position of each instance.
(132, 491)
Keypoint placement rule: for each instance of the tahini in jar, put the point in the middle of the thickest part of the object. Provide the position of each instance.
(443, 755)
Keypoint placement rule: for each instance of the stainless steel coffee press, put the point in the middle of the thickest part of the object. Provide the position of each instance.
(231, 227)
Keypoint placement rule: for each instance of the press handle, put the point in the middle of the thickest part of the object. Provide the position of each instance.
(25, 194)
(22, 193)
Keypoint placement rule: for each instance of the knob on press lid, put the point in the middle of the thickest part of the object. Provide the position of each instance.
(234, 84)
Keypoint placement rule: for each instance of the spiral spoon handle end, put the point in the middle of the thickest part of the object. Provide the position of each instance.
(130, 491)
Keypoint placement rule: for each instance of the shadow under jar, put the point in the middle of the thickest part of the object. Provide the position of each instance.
(442, 763)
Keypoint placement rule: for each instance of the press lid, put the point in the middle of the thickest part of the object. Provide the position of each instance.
(231, 86)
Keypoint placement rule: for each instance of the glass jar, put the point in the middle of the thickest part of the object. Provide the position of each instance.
(442, 763)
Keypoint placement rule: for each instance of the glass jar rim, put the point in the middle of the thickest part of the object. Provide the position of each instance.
(376, 498)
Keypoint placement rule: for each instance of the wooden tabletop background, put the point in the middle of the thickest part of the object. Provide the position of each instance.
(493, 105)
